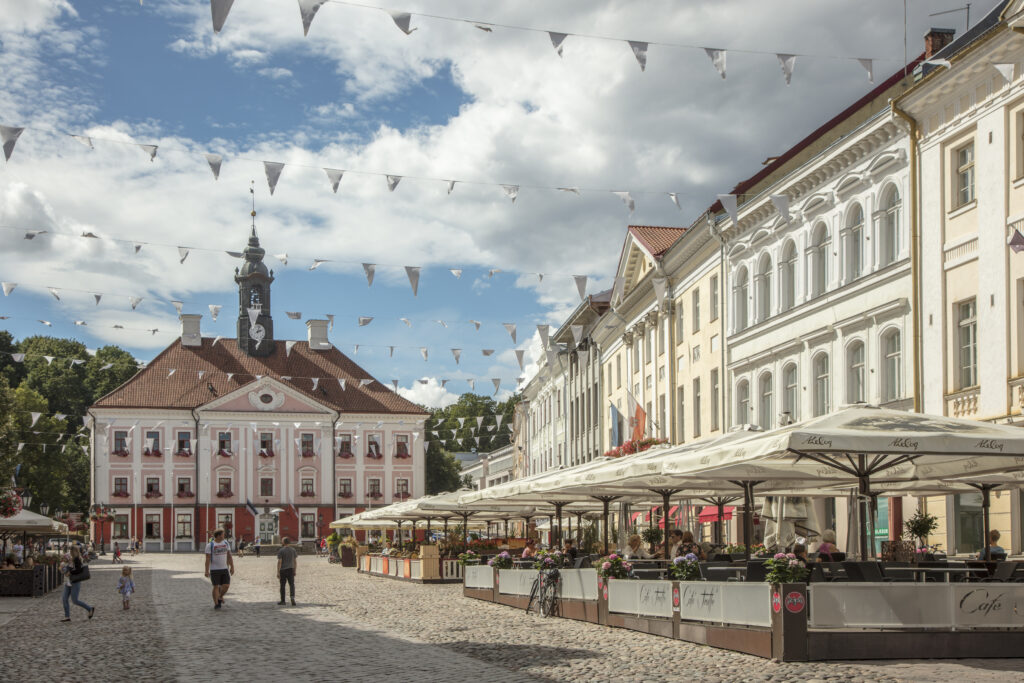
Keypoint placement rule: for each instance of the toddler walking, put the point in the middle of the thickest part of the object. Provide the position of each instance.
(125, 586)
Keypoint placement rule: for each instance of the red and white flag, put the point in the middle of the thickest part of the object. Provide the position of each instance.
(637, 418)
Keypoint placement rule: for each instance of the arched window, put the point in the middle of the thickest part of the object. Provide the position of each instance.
(889, 227)
(791, 392)
(765, 409)
(821, 246)
(740, 294)
(787, 277)
(822, 398)
(763, 286)
(742, 403)
(855, 373)
(892, 366)
(855, 243)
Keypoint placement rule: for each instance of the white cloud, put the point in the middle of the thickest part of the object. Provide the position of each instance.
(275, 73)
(431, 394)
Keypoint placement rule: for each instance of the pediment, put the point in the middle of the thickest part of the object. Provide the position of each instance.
(636, 263)
(759, 235)
(849, 183)
(886, 160)
(818, 203)
(266, 395)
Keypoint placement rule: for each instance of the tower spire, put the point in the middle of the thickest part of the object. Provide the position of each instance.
(252, 191)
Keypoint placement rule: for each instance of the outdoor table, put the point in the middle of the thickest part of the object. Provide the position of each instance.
(921, 572)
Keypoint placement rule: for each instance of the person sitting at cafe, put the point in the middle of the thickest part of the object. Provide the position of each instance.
(9, 562)
(530, 550)
(684, 545)
(800, 550)
(993, 546)
(827, 546)
(570, 552)
(635, 549)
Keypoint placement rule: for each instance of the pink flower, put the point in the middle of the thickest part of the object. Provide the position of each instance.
(606, 566)
(791, 556)
(613, 557)
(780, 556)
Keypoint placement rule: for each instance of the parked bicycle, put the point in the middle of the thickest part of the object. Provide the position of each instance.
(544, 593)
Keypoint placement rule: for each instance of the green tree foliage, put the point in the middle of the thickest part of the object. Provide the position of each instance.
(53, 454)
(442, 471)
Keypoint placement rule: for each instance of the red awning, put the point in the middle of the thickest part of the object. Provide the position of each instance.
(709, 513)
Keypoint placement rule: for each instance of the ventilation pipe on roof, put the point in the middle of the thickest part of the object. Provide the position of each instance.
(317, 332)
(190, 335)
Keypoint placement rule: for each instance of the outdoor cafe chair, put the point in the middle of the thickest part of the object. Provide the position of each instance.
(756, 571)
(1004, 573)
(834, 571)
(817, 573)
(869, 572)
(704, 566)
(647, 574)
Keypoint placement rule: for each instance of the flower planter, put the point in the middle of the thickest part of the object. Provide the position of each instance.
(224, 453)
(153, 494)
(308, 454)
(348, 556)
(344, 496)
(152, 454)
(225, 494)
(346, 455)
(266, 454)
(186, 494)
(183, 454)
(120, 494)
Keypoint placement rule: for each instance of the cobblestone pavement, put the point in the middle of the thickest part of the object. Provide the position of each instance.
(350, 627)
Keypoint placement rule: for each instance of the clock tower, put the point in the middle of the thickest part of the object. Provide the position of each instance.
(255, 326)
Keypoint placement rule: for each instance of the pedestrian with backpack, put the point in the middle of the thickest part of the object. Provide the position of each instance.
(219, 566)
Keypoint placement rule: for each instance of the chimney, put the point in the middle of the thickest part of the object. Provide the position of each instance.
(936, 39)
(190, 335)
(317, 333)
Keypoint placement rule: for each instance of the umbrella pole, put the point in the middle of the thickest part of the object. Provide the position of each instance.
(862, 493)
(465, 531)
(986, 502)
(568, 519)
(551, 529)
(399, 534)
(506, 531)
(664, 537)
(721, 521)
(579, 529)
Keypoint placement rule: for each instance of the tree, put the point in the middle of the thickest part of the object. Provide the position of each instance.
(469, 436)
(443, 472)
(100, 382)
(10, 370)
(60, 380)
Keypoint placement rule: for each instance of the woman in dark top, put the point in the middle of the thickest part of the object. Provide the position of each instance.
(687, 545)
(73, 567)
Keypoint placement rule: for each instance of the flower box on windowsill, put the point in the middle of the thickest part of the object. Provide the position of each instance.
(400, 454)
(120, 453)
(226, 453)
(375, 495)
(307, 494)
(374, 456)
(344, 494)
(120, 494)
(308, 454)
(402, 495)
(225, 494)
(186, 494)
(184, 453)
(152, 452)
(154, 494)
(264, 453)
(346, 454)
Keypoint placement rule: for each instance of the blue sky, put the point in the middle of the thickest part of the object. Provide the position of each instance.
(448, 101)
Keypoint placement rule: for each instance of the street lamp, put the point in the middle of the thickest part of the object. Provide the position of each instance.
(43, 509)
(26, 500)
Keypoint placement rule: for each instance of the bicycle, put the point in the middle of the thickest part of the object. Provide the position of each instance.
(544, 593)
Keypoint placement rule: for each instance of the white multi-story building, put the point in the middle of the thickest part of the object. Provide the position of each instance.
(546, 420)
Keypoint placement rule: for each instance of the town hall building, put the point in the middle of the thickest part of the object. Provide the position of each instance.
(260, 436)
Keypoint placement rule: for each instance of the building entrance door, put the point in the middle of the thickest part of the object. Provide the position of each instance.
(268, 527)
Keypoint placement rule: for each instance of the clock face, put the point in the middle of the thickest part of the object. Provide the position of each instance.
(257, 332)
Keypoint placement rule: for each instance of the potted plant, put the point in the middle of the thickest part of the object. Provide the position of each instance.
(10, 503)
(186, 494)
(547, 559)
(120, 452)
(736, 550)
(758, 550)
(469, 558)
(152, 452)
(685, 568)
(651, 535)
(153, 494)
(784, 568)
(919, 527)
(184, 453)
(501, 561)
(613, 567)
(224, 452)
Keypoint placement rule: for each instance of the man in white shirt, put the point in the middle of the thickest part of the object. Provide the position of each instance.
(219, 566)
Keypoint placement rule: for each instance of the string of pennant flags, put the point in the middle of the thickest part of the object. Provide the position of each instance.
(369, 269)
(402, 19)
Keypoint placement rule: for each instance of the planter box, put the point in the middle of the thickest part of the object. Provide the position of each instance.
(348, 556)
(23, 582)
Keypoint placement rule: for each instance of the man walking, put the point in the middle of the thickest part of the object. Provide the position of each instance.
(256, 545)
(219, 566)
(287, 559)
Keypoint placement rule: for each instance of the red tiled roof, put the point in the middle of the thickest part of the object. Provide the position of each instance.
(656, 239)
(152, 388)
(746, 185)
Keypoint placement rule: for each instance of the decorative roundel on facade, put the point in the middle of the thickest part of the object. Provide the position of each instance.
(776, 602)
(265, 399)
(795, 602)
(605, 591)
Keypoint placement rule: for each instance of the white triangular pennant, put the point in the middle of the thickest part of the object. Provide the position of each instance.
(476, 324)
(9, 136)
(294, 315)
(215, 161)
(316, 382)
(150, 150)
(401, 20)
(451, 186)
(273, 170)
(674, 196)
(457, 353)
(640, 52)
(577, 333)
(138, 247)
(443, 382)
(787, 62)
(497, 384)
(542, 330)
(134, 301)
(581, 286)
(216, 339)
(369, 269)
(511, 329)
(35, 418)
(330, 321)
(214, 311)
(393, 181)
(511, 191)
(487, 352)
(253, 314)
(408, 323)
(717, 58)
(394, 383)
(493, 271)
(219, 9)
(307, 10)
(472, 384)
(540, 278)
(97, 297)
(171, 372)
(556, 41)
(869, 66)
(8, 287)
(18, 357)
(660, 288)
(334, 175)
(182, 254)
(423, 352)
(1006, 70)
(288, 345)
(729, 204)
(391, 352)
(317, 262)
(781, 204)
(283, 258)
(84, 139)
(341, 383)
(178, 306)
(462, 421)
(939, 62)
(519, 357)
(365, 320)
(627, 199)
(442, 323)
(414, 277)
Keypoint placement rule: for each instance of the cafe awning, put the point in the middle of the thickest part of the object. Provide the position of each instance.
(709, 513)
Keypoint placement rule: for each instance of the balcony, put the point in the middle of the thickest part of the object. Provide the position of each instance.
(963, 403)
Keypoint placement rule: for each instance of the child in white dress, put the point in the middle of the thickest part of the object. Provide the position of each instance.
(125, 585)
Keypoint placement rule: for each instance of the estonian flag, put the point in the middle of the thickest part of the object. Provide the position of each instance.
(251, 508)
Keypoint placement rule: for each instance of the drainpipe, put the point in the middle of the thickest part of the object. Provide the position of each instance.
(722, 325)
(195, 454)
(914, 253)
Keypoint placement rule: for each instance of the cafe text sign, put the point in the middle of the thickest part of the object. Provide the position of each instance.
(993, 604)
